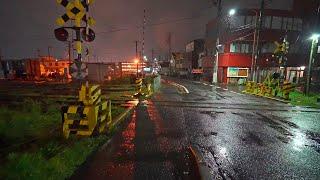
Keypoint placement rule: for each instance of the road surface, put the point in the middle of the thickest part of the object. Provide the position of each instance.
(236, 136)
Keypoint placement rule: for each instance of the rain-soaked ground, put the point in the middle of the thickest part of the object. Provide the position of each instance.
(239, 136)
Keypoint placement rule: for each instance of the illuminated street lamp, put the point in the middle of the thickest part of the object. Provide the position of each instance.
(314, 38)
(232, 12)
(255, 44)
(136, 61)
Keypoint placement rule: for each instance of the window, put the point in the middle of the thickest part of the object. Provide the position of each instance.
(240, 48)
(267, 22)
(245, 48)
(238, 21)
(290, 24)
(235, 47)
(268, 47)
(276, 22)
(297, 24)
(250, 20)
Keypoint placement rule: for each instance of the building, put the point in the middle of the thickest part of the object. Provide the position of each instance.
(47, 68)
(99, 72)
(192, 58)
(237, 37)
(179, 64)
(132, 68)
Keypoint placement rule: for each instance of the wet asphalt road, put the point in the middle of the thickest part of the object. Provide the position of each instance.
(239, 137)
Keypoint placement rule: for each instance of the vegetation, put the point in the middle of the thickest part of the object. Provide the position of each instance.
(49, 156)
(28, 121)
(42, 165)
(298, 98)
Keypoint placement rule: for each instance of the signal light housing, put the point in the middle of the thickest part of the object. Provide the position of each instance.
(61, 34)
(88, 37)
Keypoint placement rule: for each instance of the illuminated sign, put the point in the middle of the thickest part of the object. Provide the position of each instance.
(237, 72)
(197, 71)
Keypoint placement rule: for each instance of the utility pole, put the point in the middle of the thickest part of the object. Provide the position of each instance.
(169, 45)
(311, 61)
(136, 42)
(1, 68)
(216, 64)
(152, 55)
(69, 51)
(253, 57)
(257, 51)
(38, 53)
(49, 51)
(143, 33)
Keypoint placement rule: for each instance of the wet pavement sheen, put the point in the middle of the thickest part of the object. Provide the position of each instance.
(239, 136)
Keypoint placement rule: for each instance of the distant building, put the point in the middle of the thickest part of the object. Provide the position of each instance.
(131, 68)
(47, 68)
(100, 72)
(192, 58)
(237, 36)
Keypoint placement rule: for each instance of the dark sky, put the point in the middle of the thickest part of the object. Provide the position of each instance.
(27, 25)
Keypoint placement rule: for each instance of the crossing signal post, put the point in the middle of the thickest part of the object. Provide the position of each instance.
(77, 11)
(280, 53)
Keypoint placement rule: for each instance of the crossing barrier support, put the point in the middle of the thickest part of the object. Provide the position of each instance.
(90, 116)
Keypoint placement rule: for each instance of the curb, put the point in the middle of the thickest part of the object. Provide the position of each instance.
(204, 170)
(271, 98)
(101, 146)
(122, 116)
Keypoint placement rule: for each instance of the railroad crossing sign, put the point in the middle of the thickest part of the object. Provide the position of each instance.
(76, 10)
(79, 72)
(280, 52)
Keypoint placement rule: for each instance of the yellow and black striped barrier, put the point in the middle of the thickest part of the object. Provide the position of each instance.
(287, 87)
(139, 85)
(91, 116)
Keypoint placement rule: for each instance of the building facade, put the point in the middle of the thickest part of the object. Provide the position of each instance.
(236, 57)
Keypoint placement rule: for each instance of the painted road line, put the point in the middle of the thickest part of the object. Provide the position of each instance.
(180, 87)
(205, 84)
(225, 89)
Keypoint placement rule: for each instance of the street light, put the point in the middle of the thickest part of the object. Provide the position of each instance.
(232, 12)
(136, 61)
(314, 38)
(254, 56)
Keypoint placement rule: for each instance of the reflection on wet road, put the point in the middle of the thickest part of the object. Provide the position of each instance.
(239, 137)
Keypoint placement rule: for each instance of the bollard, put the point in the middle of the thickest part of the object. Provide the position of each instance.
(138, 83)
(90, 116)
(286, 89)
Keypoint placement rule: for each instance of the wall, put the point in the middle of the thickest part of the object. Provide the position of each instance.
(97, 72)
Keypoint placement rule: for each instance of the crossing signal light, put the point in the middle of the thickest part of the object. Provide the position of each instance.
(61, 34)
(90, 36)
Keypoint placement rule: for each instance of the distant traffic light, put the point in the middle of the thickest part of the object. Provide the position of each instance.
(88, 37)
(61, 34)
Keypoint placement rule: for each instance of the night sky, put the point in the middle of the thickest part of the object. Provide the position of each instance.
(28, 25)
